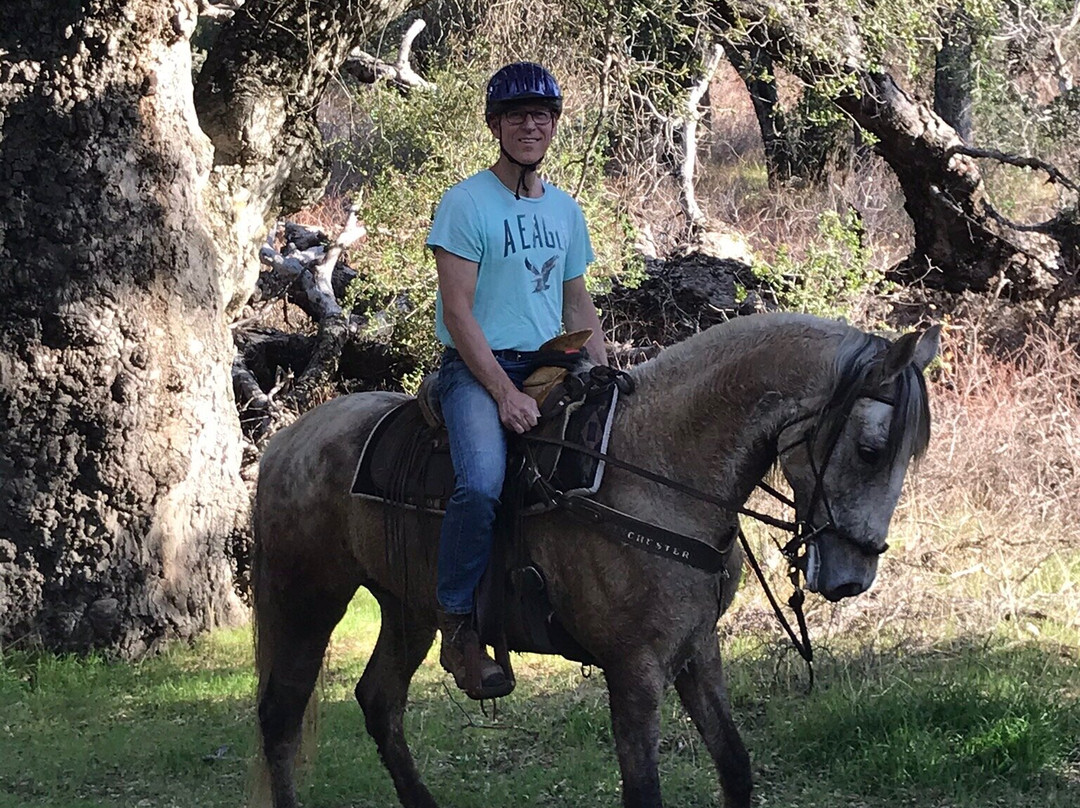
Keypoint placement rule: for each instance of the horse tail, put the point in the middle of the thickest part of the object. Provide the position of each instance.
(266, 624)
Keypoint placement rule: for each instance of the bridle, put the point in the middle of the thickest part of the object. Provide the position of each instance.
(802, 532)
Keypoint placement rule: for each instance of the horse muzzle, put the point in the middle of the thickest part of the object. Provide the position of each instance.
(837, 567)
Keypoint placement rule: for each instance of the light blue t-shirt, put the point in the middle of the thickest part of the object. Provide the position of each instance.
(526, 249)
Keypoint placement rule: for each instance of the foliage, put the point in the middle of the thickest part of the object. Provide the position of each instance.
(831, 275)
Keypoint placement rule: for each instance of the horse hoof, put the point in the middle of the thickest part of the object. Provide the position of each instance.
(492, 689)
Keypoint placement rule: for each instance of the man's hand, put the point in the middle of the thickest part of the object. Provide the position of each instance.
(517, 410)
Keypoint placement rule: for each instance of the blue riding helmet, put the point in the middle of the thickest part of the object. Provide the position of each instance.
(519, 83)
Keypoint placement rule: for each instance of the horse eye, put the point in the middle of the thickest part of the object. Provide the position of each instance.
(869, 454)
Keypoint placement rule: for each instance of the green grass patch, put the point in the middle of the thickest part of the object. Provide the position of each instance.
(980, 721)
(971, 724)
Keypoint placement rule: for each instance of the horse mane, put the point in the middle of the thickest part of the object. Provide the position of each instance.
(854, 370)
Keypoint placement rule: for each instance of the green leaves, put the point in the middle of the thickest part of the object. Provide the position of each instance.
(830, 275)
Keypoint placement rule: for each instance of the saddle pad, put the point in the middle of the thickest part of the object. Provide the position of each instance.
(406, 462)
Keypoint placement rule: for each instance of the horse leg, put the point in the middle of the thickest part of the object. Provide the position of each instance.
(292, 645)
(701, 688)
(383, 690)
(635, 693)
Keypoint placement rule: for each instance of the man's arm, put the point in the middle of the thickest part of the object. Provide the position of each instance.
(457, 283)
(579, 312)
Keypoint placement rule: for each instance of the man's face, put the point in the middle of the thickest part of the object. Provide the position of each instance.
(525, 131)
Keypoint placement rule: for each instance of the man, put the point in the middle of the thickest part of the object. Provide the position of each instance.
(511, 251)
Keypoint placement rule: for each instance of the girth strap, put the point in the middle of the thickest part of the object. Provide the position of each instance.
(649, 537)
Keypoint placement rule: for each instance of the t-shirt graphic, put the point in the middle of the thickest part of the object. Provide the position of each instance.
(525, 249)
(542, 273)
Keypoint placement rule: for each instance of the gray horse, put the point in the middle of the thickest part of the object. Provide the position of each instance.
(841, 412)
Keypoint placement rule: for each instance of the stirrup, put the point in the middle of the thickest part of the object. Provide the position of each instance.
(479, 676)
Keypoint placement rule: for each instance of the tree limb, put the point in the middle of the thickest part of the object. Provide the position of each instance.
(369, 69)
(1017, 160)
(694, 215)
(219, 9)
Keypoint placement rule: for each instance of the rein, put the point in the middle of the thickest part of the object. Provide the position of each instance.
(667, 482)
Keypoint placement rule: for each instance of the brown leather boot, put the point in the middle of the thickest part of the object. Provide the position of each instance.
(480, 676)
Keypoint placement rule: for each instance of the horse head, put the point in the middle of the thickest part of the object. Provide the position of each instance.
(846, 458)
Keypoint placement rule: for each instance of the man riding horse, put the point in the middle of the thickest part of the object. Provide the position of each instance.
(511, 251)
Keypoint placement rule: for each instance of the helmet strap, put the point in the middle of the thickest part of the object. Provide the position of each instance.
(526, 169)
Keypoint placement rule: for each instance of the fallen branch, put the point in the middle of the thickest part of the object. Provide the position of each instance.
(323, 272)
(219, 9)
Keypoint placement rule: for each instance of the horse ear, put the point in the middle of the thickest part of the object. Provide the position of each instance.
(928, 347)
(914, 348)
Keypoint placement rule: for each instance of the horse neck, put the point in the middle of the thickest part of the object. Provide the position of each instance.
(709, 412)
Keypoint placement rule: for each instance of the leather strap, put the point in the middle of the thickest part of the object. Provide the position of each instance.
(649, 537)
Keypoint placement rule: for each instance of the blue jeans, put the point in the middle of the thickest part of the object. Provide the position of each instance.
(478, 452)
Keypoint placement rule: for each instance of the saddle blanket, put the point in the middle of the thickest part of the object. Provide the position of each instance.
(406, 462)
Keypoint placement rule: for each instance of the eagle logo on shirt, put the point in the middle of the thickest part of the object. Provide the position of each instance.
(542, 274)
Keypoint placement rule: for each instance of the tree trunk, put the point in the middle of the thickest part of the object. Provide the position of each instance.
(118, 450)
(126, 240)
(798, 144)
(953, 77)
(755, 67)
(960, 243)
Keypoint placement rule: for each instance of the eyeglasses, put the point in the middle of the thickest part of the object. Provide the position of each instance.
(516, 117)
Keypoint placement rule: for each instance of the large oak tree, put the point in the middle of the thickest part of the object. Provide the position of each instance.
(132, 203)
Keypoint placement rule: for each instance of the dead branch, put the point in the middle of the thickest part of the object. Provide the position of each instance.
(317, 376)
(279, 374)
(324, 270)
(307, 270)
(370, 69)
(254, 405)
(694, 215)
(1020, 161)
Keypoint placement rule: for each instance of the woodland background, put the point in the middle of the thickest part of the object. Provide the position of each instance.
(889, 163)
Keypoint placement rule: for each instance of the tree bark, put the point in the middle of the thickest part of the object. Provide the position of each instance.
(127, 239)
(118, 450)
(953, 77)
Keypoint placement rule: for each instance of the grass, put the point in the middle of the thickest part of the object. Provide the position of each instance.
(969, 722)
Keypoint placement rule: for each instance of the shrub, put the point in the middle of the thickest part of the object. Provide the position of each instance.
(834, 272)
